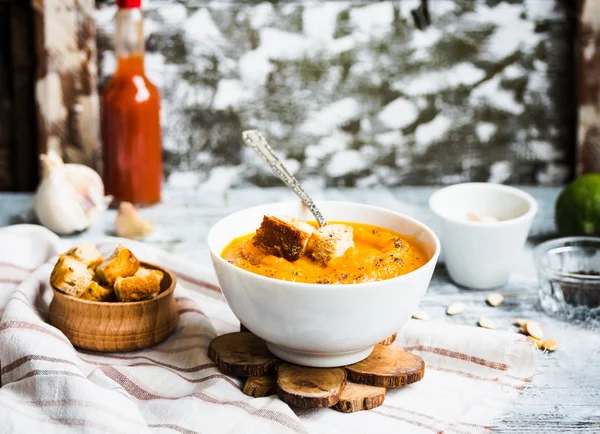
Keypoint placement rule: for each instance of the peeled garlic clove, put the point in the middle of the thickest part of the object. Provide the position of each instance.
(455, 309)
(130, 224)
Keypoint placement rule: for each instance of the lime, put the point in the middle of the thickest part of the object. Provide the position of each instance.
(578, 207)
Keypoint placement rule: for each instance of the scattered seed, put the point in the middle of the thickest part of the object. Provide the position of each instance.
(487, 323)
(550, 345)
(534, 329)
(455, 308)
(519, 322)
(419, 314)
(495, 299)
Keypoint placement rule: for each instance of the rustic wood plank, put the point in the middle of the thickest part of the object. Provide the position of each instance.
(66, 96)
(588, 89)
(24, 150)
(5, 99)
(40, 72)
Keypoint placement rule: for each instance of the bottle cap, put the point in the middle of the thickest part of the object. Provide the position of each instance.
(129, 4)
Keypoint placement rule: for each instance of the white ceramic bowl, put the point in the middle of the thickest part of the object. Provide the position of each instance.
(315, 324)
(480, 255)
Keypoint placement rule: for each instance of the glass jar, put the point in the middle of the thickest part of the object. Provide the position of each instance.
(569, 277)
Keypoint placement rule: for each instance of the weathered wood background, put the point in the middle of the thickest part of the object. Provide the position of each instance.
(66, 80)
(48, 86)
(588, 137)
(353, 93)
(18, 151)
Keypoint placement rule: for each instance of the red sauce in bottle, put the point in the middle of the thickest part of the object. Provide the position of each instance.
(131, 133)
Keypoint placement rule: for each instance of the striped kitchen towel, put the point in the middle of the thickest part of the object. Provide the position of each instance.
(48, 386)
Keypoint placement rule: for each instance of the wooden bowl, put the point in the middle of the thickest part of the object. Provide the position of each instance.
(117, 326)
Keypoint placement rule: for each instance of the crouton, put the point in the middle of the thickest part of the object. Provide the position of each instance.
(70, 276)
(85, 252)
(330, 241)
(145, 284)
(122, 263)
(284, 237)
(93, 266)
(145, 272)
(97, 292)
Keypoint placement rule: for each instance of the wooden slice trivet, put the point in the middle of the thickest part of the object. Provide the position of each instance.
(241, 354)
(387, 366)
(390, 340)
(245, 354)
(265, 385)
(310, 387)
(356, 397)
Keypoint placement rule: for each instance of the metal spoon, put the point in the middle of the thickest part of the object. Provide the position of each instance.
(255, 140)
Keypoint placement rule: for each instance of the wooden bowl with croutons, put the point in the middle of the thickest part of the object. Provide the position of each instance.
(114, 326)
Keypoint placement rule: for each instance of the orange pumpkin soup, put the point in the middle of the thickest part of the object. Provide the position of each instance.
(378, 254)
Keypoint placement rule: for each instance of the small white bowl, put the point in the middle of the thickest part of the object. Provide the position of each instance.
(480, 255)
(315, 324)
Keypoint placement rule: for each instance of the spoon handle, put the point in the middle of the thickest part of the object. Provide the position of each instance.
(255, 140)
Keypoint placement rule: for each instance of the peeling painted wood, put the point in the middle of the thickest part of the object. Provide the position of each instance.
(588, 56)
(5, 100)
(18, 156)
(24, 158)
(66, 95)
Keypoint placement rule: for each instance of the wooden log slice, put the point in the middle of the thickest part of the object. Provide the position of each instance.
(390, 340)
(357, 397)
(265, 385)
(242, 354)
(387, 366)
(310, 387)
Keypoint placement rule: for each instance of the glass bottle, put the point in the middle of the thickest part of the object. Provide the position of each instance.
(131, 132)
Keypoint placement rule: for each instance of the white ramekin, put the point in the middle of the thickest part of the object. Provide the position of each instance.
(480, 255)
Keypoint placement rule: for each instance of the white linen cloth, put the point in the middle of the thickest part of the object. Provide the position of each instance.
(51, 387)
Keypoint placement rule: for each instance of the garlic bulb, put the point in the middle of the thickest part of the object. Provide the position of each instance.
(130, 224)
(70, 196)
